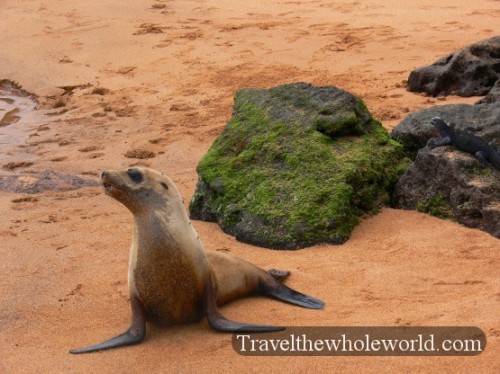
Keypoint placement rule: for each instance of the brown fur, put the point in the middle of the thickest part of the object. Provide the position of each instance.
(171, 266)
(171, 277)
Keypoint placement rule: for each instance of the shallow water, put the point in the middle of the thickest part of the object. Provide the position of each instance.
(17, 111)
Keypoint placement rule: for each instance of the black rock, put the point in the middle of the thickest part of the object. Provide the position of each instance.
(451, 184)
(471, 71)
(445, 181)
(493, 95)
(415, 130)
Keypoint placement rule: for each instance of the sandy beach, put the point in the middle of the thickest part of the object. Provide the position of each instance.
(152, 83)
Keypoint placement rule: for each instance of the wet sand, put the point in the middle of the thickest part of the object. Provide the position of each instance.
(155, 80)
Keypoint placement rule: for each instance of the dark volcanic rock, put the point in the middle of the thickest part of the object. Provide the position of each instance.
(493, 95)
(415, 130)
(471, 71)
(445, 181)
(296, 165)
(448, 183)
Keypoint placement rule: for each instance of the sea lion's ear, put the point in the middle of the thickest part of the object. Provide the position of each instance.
(165, 186)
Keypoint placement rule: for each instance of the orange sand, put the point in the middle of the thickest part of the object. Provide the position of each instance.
(171, 68)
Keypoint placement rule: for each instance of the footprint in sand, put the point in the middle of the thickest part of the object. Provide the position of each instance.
(65, 60)
(90, 148)
(164, 43)
(158, 6)
(16, 165)
(100, 91)
(157, 140)
(192, 35)
(140, 154)
(180, 107)
(26, 199)
(150, 28)
(126, 70)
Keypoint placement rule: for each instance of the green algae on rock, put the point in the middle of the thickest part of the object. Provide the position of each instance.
(296, 165)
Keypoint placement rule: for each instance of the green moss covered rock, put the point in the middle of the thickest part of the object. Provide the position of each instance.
(296, 165)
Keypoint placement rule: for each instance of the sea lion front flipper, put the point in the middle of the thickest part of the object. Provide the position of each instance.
(133, 335)
(220, 323)
(284, 293)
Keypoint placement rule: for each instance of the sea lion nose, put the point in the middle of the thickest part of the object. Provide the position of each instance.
(104, 174)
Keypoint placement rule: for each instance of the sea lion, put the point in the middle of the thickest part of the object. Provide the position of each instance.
(172, 279)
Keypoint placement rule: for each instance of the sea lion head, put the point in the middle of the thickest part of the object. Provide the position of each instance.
(140, 188)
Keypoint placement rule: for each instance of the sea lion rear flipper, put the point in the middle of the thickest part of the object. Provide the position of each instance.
(220, 323)
(133, 335)
(284, 293)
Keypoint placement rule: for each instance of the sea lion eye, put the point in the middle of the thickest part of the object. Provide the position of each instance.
(135, 175)
(165, 186)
